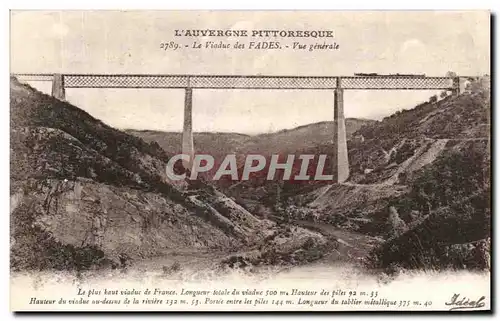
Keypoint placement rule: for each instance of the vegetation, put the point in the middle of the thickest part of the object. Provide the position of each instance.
(457, 212)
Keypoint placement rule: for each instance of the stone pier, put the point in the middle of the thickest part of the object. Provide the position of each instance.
(187, 133)
(459, 84)
(340, 156)
(58, 90)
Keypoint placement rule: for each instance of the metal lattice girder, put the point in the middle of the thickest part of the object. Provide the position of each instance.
(396, 82)
(263, 82)
(254, 82)
(180, 81)
(125, 81)
(248, 82)
(34, 77)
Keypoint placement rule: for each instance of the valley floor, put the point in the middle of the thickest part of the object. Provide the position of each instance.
(352, 249)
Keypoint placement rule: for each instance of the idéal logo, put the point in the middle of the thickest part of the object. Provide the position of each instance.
(294, 167)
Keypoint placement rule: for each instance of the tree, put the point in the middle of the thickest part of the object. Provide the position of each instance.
(396, 226)
(451, 74)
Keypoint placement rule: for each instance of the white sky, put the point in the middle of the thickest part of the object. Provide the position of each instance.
(128, 42)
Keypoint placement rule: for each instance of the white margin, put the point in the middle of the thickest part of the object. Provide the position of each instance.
(492, 5)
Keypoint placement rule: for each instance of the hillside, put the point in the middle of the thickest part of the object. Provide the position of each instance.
(282, 142)
(299, 138)
(444, 224)
(218, 144)
(425, 129)
(419, 179)
(86, 195)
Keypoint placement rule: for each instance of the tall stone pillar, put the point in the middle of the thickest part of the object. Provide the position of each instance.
(58, 87)
(459, 85)
(187, 134)
(340, 156)
(456, 87)
(462, 84)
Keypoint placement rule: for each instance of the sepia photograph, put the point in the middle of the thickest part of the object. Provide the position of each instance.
(250, 161)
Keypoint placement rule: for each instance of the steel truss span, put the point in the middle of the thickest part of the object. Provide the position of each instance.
(396, 82)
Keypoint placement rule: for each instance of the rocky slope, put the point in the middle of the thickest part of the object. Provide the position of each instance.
(419, 179)
(84, 194)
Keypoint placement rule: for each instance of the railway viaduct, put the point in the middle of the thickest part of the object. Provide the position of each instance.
(337, 84)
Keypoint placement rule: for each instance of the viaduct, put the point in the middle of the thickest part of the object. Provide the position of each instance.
(337, 84)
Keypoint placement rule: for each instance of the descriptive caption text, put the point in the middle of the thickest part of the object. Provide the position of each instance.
(250, 45)
(228, 39)
(245, 298)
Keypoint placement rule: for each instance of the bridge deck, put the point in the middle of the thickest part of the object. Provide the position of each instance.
(398, 82)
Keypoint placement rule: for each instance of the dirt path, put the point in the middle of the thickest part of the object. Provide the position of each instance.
(423, 155)
(352, 246)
